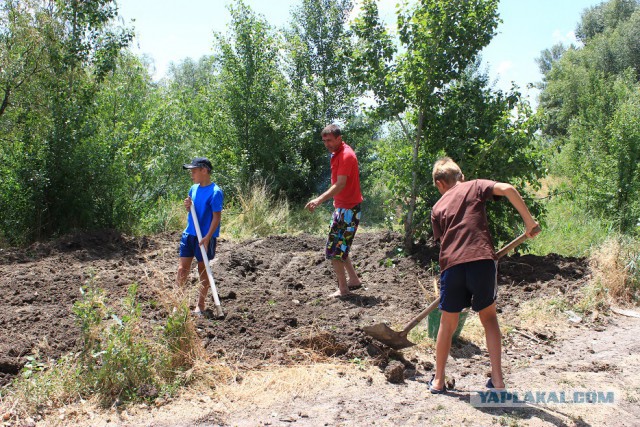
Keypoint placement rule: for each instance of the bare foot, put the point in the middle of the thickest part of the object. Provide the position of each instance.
(338, 294)
(355, 285)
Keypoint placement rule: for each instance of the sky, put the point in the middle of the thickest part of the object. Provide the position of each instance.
(173, 30)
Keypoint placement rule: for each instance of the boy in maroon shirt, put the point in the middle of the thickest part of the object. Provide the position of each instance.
(468, 260)
(345, 190)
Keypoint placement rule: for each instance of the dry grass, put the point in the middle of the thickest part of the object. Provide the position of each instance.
(616, 270)
(284, 384)
(540, 313)
(258, 213)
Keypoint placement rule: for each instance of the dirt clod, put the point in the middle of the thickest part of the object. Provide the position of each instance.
(394, 372)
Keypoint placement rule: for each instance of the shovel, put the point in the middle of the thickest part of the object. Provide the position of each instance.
(205, 258)
(398, 340)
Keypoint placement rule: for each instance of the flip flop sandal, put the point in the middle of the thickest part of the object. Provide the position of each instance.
(434, 390)
(490, 385)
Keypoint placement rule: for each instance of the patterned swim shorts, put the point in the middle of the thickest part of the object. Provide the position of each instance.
(344, 224)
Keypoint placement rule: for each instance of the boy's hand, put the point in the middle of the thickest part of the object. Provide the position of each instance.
(205, 241)
(187, 203)
(533, 229)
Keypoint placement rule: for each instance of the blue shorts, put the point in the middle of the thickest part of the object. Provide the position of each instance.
(189, 247)
(470, 284)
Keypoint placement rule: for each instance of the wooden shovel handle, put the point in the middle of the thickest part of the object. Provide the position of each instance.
(517, 241)
(424, 313)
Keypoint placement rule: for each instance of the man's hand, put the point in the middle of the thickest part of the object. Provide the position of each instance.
(313, 204)
(187, 203)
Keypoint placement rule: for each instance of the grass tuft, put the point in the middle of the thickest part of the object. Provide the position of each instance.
(615, 266)
(568, 230)
(256, 212)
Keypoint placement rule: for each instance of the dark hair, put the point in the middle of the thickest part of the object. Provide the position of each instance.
(332, 129)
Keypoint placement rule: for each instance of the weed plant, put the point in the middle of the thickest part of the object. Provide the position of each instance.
(256, 212)
(121, 358)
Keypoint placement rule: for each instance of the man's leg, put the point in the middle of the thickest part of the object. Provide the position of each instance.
(183, 270)
(448, 325)
(354, 280)
(489, 319)
(204, 285)
(339, 268)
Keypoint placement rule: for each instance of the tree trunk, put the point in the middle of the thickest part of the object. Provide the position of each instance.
(5, 101)
(408, 224)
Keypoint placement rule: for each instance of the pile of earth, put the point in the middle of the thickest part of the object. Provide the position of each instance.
(273, 291)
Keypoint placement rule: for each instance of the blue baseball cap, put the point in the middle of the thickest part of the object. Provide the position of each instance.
(198, 162)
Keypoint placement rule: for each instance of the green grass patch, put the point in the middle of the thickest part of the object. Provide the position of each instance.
(569, 230)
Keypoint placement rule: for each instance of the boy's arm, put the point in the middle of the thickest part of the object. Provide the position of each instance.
(509, 191)
(214, 224)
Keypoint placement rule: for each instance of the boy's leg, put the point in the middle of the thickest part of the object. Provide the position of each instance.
(448, 325)
(489, 319)
(354, 280)
(184, 266)
(204, 285)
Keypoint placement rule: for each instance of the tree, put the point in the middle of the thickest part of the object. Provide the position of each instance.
(589, 107)
(55, 55)
(253, 93)
(438, 39)
(318, 47)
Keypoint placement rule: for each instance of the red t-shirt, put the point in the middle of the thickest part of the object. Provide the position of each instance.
(459, 221)
(344, 162)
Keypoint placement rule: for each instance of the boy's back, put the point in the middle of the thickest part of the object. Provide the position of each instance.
(459, 221)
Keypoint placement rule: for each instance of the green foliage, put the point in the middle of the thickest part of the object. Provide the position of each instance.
(489, 133)
(254, 94)
(568, 229)
(590, 109)
(317, 68)
(437, 41)
(60, 53)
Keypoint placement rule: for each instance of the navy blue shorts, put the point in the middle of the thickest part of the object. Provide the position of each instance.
(470, 284)
(189, 247)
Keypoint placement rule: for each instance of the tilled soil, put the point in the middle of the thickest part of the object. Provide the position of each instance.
(273, 290)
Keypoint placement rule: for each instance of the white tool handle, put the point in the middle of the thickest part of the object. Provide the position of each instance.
(203, 250)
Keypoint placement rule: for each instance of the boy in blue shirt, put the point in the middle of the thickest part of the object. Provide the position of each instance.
(207, 198)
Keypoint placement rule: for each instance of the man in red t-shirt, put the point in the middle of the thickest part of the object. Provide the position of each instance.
(345, 190)
(468, 260)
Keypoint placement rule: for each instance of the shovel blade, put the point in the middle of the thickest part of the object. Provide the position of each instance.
(387, 336)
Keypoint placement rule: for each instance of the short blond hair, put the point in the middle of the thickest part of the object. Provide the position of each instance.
(445, 169)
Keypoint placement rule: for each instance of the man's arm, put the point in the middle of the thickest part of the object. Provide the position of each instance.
(509, 191)
(332, 191)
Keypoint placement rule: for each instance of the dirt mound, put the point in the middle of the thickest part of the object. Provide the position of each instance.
(274, 292)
